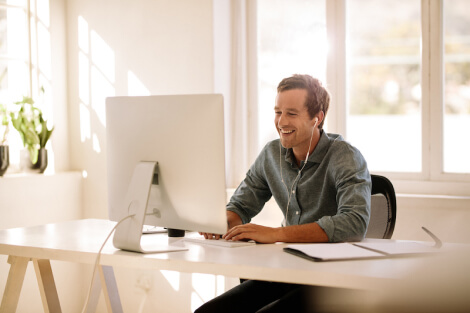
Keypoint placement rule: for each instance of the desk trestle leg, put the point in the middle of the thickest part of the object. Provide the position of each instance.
(104, 281)
(14, 283)
(47, 288)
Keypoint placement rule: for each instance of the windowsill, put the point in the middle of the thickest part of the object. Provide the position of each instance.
(32, 175)
(432, 188)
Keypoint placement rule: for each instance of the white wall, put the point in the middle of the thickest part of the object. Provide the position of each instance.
(163, 47)
(27, 200)
(159, 47)
(448, 217)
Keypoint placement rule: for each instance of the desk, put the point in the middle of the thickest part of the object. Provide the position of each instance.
(80, 240)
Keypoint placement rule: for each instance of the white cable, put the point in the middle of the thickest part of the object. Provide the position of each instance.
(298, 175)
(142, 303)
(97, 261)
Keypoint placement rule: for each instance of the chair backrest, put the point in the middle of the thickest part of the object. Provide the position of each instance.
(383, 208)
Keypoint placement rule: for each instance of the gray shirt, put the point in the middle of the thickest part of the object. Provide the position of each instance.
(333, 188)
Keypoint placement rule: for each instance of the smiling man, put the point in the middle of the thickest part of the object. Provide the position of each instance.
(319, 181)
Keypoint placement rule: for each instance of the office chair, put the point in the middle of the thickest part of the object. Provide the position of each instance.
(383, 208)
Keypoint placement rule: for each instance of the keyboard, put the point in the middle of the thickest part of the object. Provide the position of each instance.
(219, 242)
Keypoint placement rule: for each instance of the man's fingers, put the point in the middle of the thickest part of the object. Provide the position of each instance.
(237, 232)
(210, 236)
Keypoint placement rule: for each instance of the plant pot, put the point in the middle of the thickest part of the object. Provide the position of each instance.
(39, 167)
(4, 159)
(41, 164)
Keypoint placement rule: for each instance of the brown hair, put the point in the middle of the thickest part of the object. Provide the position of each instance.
(318, 98)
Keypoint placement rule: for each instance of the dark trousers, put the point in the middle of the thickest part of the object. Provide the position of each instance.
(262, 297)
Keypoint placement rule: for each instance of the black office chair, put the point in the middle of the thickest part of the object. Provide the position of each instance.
(383, 208)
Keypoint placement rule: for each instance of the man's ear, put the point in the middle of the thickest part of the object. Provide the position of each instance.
(319, 118)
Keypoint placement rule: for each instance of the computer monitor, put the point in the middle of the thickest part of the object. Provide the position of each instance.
(166, 165)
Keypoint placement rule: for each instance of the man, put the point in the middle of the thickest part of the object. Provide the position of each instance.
(320, 182)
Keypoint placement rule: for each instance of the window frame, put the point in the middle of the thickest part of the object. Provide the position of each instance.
(431, 179)
(27, 10)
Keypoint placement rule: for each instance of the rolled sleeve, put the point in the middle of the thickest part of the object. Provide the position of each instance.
(250, 196)
(353, 190)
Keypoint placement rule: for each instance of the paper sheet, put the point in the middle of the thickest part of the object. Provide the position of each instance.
(334, 251)
(399, 247)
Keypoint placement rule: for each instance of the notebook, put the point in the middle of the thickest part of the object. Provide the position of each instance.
(361, 250)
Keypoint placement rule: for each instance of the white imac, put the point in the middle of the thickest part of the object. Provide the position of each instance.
(165, 166)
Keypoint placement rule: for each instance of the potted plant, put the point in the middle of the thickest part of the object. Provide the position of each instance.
(4, 150)
(32, 127)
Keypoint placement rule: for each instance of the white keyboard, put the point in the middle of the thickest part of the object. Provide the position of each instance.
(219, 242)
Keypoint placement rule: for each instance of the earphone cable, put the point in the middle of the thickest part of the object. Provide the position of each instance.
(289, 196)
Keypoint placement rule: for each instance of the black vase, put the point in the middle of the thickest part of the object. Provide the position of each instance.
(4, 159)
(41, 164)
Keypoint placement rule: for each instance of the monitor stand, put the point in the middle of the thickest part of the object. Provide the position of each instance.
(128, 234)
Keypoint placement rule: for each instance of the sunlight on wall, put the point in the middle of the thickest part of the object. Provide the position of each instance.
(83, 34)
(135, 87)
(205, 287)
(83, 78)
(102, 56)
(101, 88)
(102, 75)
(173, 278)
(85, 126)
(96, 62)
(96, 144)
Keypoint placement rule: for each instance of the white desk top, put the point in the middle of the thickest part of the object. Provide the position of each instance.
(80, 240)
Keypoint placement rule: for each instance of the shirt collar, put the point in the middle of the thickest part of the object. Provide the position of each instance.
(321, 149)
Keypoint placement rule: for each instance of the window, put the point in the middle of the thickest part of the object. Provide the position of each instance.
(457, 87)
(399, 74)
(291, 40)
(24, 65)
(14, 49)
(384, 83)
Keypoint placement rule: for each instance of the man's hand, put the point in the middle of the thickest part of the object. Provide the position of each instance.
(258, 233)
(232, 220)
(210, 236)
(310, 232)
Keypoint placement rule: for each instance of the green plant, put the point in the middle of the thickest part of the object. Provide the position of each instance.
(28, 121)
(4, 124)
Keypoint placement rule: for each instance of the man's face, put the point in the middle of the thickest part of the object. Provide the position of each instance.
(293, 123)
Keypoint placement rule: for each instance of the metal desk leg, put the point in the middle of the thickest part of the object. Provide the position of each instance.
(110, 290)
(107, 282)
(47, 288)
(94, 295)
(14, 283)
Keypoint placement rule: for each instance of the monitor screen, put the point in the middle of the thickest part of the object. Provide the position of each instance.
(183, 135)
